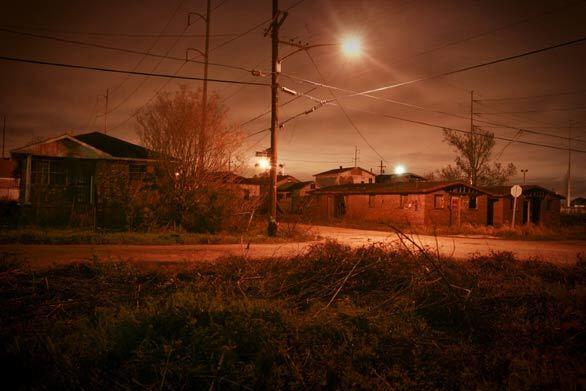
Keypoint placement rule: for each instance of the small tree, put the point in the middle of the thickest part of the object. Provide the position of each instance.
(191, 158)
(473, 161)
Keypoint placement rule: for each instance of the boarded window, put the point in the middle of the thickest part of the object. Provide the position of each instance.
(472, 204)
(137, 172)
(371, 201)
(438, 201)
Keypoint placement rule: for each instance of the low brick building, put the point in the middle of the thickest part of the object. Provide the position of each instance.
(536, 205)
(293, 197)
(84, 179)
(416, 203)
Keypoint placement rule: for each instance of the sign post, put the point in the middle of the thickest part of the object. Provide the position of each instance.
(516, 191)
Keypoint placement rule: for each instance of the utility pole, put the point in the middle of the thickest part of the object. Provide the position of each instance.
(204, 93)
(382, 168)
(3, 136)
(473, 140)
(106, 97)
(276, 23)
(355, 156)
(569, 189)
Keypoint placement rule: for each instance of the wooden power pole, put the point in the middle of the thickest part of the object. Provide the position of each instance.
(276, 23)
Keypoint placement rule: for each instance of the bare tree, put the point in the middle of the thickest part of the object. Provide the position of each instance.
(191, 160)
(473, 164)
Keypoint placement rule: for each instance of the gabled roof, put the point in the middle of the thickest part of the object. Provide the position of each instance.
(93, 145)
(341, 170)
(395, 188)
(505, 191)
(114, 146)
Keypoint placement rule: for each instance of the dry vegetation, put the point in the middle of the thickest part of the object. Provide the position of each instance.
(334, 318)
(256, 233)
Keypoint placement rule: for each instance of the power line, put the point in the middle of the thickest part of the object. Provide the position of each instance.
(348, 118)
(354, 93)
(471, 67)
(537, 111)
(429, 124)
(115, 70)
(124, 50)
(531, 96)
(122, 35)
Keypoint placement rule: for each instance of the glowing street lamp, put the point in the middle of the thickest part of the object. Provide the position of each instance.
(400, 169)
(352, 47)
(263, 163)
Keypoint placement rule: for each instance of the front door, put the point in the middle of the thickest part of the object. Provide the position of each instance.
(339, 206)
(535, 210)
(490, 211)
(525, 211)
(455, 211)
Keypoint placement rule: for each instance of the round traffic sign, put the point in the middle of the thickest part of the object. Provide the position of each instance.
(516, 191)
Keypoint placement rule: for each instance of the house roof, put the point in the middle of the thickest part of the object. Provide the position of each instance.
(294, 186)
(114, 147)
(230, 177)
(505, 191)
(341, 170)
(93, 145)
(394, 188)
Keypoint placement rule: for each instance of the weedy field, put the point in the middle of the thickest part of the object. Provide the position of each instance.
(333, 318)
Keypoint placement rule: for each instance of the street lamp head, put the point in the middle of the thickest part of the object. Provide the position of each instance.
(351, 46)
(263, 163)
(399, 169)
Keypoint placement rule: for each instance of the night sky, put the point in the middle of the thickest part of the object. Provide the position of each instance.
(403, 40)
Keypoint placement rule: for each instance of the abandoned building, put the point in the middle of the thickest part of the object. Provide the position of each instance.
(403, 203)
(247, 188)
(341, 176)
(536, 205)
(84, 179)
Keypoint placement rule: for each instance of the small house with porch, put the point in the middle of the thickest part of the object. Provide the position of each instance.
(83, 177)
(402, 203)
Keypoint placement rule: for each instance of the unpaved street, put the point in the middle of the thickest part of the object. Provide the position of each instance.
(42, 256)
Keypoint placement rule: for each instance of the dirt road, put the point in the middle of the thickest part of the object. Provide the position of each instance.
(42, 256)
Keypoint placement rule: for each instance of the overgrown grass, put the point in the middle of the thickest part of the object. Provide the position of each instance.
(520, 232)
(257, 234)
(334, 318)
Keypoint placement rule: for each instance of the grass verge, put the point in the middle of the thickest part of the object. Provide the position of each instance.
(288, 233)
(333, 318)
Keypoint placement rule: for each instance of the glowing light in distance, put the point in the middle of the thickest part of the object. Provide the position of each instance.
(264, 163)
(351, 46)
(400, 169)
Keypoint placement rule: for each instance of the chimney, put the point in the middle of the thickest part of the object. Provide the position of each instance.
(340, 167)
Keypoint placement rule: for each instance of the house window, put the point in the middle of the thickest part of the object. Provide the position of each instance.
(137, 172)
(369, 180)
(472, 204)
(371, 200)
(48, 172)
(438, 201)
(404, 201)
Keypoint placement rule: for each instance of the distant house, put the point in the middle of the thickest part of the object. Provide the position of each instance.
(536, 205)
(248, 188)
(9, 185)
(89, 174)
(343, 175)
(396, 178)
(403, 203)
(293, 196)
